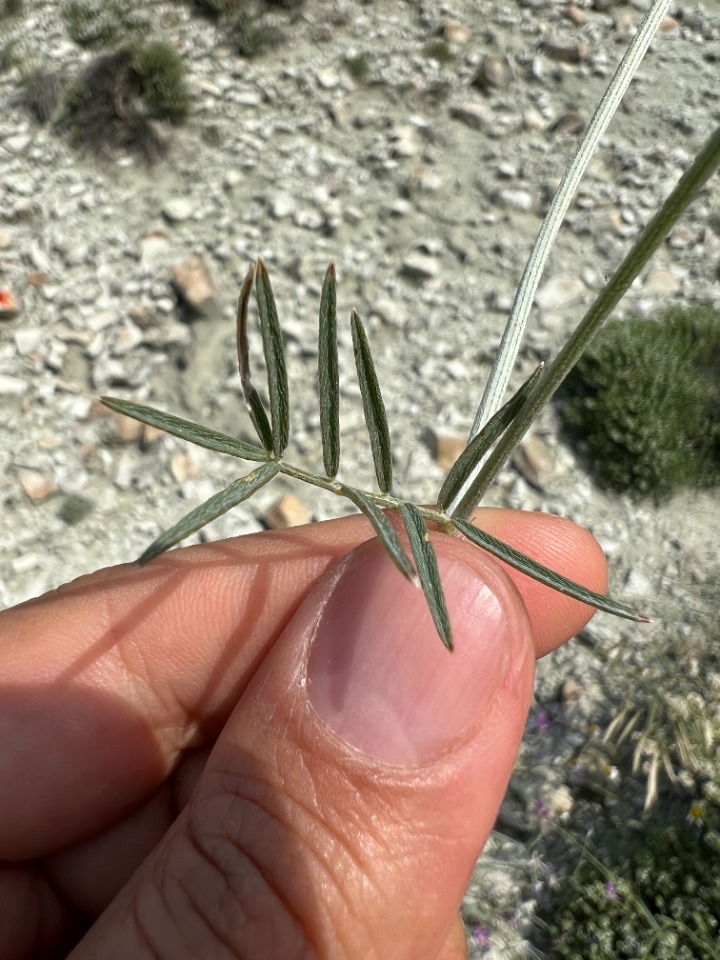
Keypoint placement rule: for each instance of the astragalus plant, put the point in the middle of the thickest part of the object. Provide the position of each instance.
(495, 431)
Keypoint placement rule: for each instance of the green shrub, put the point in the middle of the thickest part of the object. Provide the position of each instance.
(120, 95)
(646, 400)
(100, 23)
(358, 67)
(43, 94)
(663, 905)
(440, 51)
(11, 8)
(161, 78)
(75, 508)
(217, 8)
(251, 36)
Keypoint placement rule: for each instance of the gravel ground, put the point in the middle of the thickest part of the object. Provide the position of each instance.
(426, 191)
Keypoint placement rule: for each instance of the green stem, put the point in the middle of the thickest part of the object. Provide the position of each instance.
(687, 188)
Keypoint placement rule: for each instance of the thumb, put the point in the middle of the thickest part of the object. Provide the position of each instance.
(344, 806)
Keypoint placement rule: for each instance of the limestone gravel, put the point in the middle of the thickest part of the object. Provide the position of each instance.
(426, 192)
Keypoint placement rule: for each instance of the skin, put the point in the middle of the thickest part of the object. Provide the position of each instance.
(168, 792)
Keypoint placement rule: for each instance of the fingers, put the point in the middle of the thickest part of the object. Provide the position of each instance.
(355, 782)
(455, 947)
(105, 682)
(562, 546)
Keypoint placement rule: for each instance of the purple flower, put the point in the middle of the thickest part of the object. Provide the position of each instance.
(542, 722)
(611, 891)
(481, 936)
(542, 809)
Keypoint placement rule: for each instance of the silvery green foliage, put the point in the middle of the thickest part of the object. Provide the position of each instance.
(408, 545)
(494, 434)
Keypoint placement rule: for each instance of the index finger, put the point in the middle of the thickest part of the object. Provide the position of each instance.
(106, 681)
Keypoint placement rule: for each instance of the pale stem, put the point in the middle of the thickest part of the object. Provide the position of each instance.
(515, 327)
(687, 188)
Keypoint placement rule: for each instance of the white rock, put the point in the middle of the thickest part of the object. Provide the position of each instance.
(12, 386)
(457, 370)
(153, 248)
(560, 291)
(309, 219)
(328, 78)
(473, 113)
(517, 199)
(17, 144)
(661, 281)
(27, 339)
(418, 266)
(637, 584)
(282, 205)
(178, 209)
(232, 178)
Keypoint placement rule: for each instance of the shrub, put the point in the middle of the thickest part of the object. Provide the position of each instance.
(663, 904)
(114, 104)
(43, 94)
(217, 8)
(646, 400)
(75, 508)
(161, 77)
(440, 51)
(358, 67)
(251, 37)
(11, 8)
(100, 23)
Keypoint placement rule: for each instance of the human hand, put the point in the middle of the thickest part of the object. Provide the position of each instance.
(259, 747)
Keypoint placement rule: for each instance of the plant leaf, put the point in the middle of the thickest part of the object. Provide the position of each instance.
(185, 429)
(218, 504)
(385, 531)
(427, 570)
(373, 405)
(328, 376)
(274, 350)
(252, 398)
(537, 571)
(462, 469)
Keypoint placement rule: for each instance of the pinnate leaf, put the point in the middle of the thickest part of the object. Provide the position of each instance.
(386, 533)
(254, 403)
(215, 506)
(328, 376)
(556, 581)
(274, 350)
(373, 405)
(427, 570)
(185, 429)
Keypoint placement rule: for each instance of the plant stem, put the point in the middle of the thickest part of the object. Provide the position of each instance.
(515, 327)
(687, 188)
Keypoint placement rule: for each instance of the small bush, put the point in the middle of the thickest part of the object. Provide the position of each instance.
(646, 400)
(663, 905)
(440, 51)
(217, 8)
(43, 94)
(11, 8)
(75, 508)
(251, 36)
(116, 102)
(101, 23)
(161, 76)
(358, 67)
